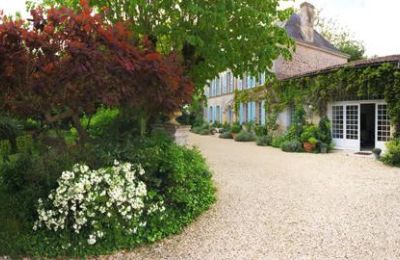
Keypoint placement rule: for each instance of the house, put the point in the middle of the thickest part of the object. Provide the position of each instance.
(359, 122)
(312, 52)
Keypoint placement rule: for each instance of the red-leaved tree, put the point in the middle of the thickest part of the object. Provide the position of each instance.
(62, 63)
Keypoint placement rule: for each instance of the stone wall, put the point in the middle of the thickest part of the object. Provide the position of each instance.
(307, 58)
(224, 102)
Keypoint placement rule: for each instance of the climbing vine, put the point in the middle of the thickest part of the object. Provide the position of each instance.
(348, 83)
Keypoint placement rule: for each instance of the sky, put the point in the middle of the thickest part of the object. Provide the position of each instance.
(374, 22)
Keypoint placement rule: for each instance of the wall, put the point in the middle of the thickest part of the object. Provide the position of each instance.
(307, 58)
(222, 101)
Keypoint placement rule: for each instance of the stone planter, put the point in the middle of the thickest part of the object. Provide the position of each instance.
(179, 133)
(308, 147)
(234, 135)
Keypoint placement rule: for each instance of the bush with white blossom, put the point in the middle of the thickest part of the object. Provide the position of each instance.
(88, 201)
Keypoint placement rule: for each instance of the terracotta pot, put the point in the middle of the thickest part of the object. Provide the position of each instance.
(234, 135)
(308, 147)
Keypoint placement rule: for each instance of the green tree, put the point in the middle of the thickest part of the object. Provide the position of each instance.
(341, 37)
(210, 36)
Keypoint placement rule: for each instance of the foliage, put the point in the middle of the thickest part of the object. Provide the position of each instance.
(175, 174)
(9, 130)
(242, 36)
(236, 128)
(245, 136)
(226, 135)
(205, 129)
(279, 140)
(87, 202)
(62, 63)
(101, 121)
(370, 82)
(392, 155)
(310, 132)
(292, 146)
(340, 37)
(312, 140)
(324, 134)
(265, 140)
(260, 130)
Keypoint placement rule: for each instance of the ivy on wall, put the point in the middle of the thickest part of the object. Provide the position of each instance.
(348, 83)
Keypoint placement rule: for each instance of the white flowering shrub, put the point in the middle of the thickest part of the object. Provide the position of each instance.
(89, 200)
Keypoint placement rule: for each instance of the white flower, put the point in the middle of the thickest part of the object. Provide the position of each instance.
(83, 194)
(84, 168)
(92, 240)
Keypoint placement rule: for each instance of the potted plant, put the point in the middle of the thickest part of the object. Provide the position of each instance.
(310, 144)
(235, 129)
(377, 153)
(323, 148)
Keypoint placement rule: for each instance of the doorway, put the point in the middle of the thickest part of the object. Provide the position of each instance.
(367, 126)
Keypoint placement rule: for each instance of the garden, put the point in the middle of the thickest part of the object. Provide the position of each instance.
(300, 137)
(81, 170)
(86, 89)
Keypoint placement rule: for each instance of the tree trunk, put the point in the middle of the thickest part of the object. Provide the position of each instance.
(81, 131)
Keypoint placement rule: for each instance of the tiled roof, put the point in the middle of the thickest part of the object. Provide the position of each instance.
(353, 64)
(293, 28)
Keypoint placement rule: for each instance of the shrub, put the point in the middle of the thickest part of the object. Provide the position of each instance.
(261, 130)
(174, 174)
(236, 128)
(265, 140)
(245, 136)
(278, 141)
(226, 135)
(100, 121)
(293, 146)
(10, 129)
(392, 155)
(310, 131)
(312, 140)
(202, 130)
(325, 135)
(94, 203)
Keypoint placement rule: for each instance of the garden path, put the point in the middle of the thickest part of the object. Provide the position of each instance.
(275, 205)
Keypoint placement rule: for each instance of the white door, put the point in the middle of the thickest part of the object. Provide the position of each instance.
(382, 124)
(352, 126)
(346, 125)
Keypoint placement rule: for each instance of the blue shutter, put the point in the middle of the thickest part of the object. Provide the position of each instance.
(263, 113)
(249, 111)
(241, 113)
(253, 112)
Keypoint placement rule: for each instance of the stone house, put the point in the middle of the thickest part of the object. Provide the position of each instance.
(313, 52)
(357, 123)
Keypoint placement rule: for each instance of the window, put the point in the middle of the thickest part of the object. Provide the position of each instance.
(229, 82)
(223, 83)
(337, 122)
(383, 124)
(218, 114)
(217, 86)
(352, 122)
(245, 112)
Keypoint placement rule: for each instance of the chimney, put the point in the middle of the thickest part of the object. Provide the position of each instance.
(307, 15)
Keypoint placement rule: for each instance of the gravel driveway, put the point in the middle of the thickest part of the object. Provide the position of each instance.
(275, 205)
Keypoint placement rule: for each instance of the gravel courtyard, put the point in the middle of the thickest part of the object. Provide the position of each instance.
(275, 205)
